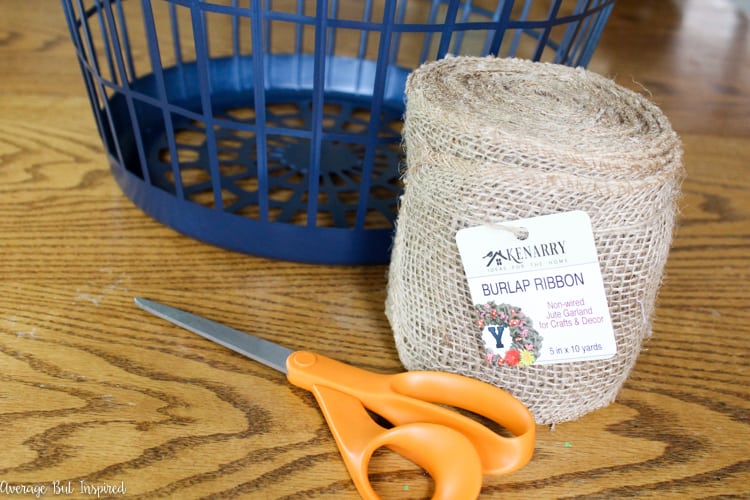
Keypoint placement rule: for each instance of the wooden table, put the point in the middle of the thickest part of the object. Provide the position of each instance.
(95, 392)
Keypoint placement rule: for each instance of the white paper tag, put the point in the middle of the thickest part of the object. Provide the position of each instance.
(539, 299)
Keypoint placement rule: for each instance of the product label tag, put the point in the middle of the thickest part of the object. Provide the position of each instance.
(537, 290)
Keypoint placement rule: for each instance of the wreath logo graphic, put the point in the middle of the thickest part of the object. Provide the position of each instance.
(508, 334)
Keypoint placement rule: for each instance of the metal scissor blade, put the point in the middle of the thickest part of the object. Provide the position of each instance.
(262, 351)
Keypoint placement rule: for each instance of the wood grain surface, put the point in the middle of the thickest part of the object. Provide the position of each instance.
(96, 394)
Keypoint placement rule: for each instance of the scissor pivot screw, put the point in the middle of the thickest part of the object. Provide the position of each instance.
(304, 358)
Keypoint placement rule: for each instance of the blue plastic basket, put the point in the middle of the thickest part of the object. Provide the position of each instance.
(273, 127)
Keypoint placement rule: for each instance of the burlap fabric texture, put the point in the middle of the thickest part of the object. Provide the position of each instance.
(490, 140)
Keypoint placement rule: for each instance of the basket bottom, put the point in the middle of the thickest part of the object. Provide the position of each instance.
(203, 177)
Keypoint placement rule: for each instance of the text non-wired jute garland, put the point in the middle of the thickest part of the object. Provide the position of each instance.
(491, 140)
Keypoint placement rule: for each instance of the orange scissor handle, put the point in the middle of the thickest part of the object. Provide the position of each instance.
(499, 454)
(407, 398)
(427, 445)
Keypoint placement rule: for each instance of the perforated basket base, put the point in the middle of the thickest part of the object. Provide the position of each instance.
(315, 245)
(188, 162)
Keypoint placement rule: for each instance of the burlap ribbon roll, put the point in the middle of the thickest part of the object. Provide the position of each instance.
(491, 140)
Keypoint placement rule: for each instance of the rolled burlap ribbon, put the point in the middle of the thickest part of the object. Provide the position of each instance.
(491, 140)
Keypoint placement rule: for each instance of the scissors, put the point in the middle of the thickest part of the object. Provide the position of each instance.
(454, 449)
